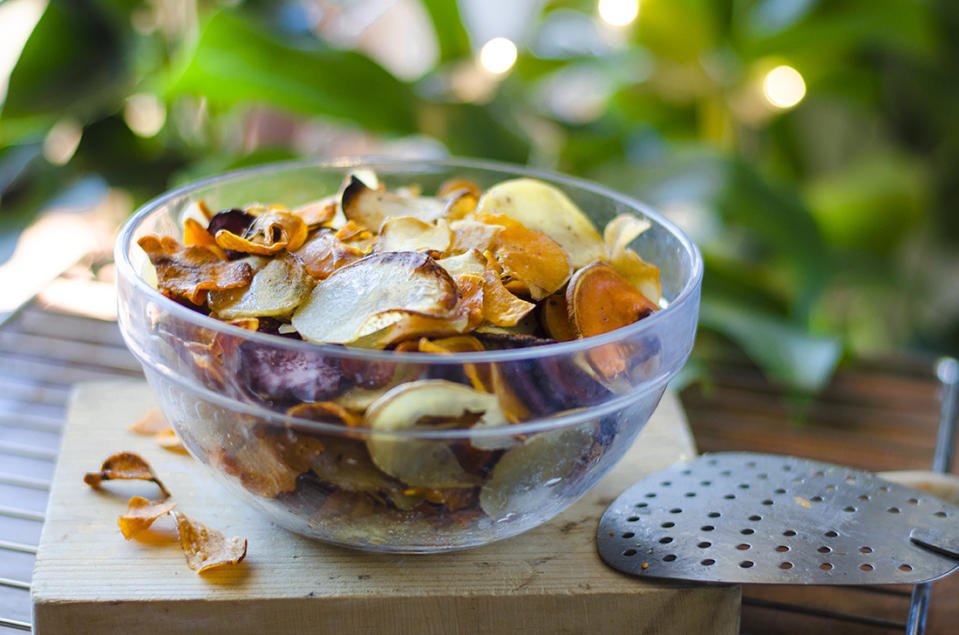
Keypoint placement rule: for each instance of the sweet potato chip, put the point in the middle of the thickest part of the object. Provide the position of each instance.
(479, 375)
(189, 272)
(206, 548)
(327, 412)
(269, 466)
(150, 423)
(125, 465)
(141, 513)
(600, 300)
(462, 197)
(196, 235)
(318, 212)
(353, 231)
(529, 256)
(168, 440)
(554, 315)
(500, 307)
(272, 231)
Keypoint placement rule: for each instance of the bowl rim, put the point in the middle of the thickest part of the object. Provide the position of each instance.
(688, 293)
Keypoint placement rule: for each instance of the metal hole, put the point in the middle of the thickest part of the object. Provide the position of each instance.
(705, 545)
(743, 546)
(689, 494)
(745, 564)
(883, 489)
(826, 566)
(628, 534)
(785, 565)
(913, 501)
(763, 476)
(707, 528)
(782, 548)
(849, 508)
(744, 486)
(831, 534)
(705, 483)
(651, 495)
(747, 531)
(816, 499)
(824, 549)
(755, 517)
(666, 540)
(830, 488)
(789, 532)
(779, 491)
(905, 567)
(819, 473)
(751, 464)
(666, 483)
(669, 557)
(632, 519)
(726, 473)
(675, 510)
(865, 549)
(729, 497)
(668, 524)
(893, 510)
(941, 514)
(642, 505)
(863, 497)
(866, 567)
(707, 562)
(714, 514)
(629, 552)
(767, 502)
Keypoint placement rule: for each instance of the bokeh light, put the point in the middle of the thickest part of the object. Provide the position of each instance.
(498, 55)
(62, 141)
(784, 87)
(618, 12)
(144, 114)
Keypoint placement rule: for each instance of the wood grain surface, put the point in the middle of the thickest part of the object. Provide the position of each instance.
(88, 579)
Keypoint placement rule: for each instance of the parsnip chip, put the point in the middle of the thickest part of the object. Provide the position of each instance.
(341, 308)
(125, 465)
(276, 289)
(405, 233)
(529, 256)
(168, 440)
(272, 231)
(371, 207)
(469, 234)
(150, 423)
(318, 212)
(391, 327)
(324, 253)
(141, 513)
(206, 548)
(619, 233)
(189, 272)
(543, 208)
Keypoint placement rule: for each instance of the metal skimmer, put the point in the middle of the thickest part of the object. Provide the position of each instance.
(739, 517)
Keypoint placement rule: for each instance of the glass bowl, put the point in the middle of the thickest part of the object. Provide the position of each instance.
(235, 397)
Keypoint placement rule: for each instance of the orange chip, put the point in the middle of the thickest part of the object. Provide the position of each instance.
(189, 272)
(206, 548)
(554, 315)
(168, 440)
(125, 465)
(140, 515)
(353, 231)
(478, 374)
(472, 298)
(500, 307)
(529, 256)
(248, 323)
(272, 231)
(196, 235)
(150, 423)
(318, 212)
(327, 412)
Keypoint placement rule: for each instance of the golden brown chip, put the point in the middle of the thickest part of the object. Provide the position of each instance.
(529, 256)
(405, 233)
(275, 290)
(206, 548)
(353, 231)
(125, 465)
(250, 324)
(399, 326)
(272, 231)
(326, 252)
(196, 235)
(600, 300)
(478, 374)
(327, 412)
(168, 440)
(141, 513)
(554, 315)
(500, 307)
(189, 272)
(619, 233)
(150, 423)
(454, 186)
(318, 212)
(469, 234)
(269, 465)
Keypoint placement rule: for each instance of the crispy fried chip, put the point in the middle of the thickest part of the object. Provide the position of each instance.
(168, 440)
(554, 315)
(150, 423)
(405, 233)
(196, 235)
(125, 465)
(326, 411)
(270, 465)
(141, 513)
(189, 272)
(469, 234)
(275, 290)
(318, 212)
(325, 252)
(273, 230)
(619, 233)
(206, 548)
(500, 307)
(371, 207)
(529, 256)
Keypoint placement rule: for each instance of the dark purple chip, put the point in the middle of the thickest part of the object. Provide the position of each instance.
(279, 377)
(235, 221)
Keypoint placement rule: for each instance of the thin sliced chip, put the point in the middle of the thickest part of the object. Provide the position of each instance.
(600, 300)
(325, 252)
(276, 290)
(353, 231)
(250, 324)
(619, 233)
(469, 234)
(392, 327)
(168, 440)
(371, 207)
(151, 422)
(196, 235)
(405, 233)
(189, 272)
(270, 465)
(318, 212)
(529, 256)
(471, 290)
(141, 514)
(126, 466)
(500, 307)
(554, 315)
(453, 187)
(206, 548)
(327, 412)
(478, 374)
(272, 231)
(543, 208)
(341, 309)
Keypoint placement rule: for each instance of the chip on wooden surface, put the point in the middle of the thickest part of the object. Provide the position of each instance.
(151, 422)
(206, 548)
(126, 466)
(168, 440)
(141, 513)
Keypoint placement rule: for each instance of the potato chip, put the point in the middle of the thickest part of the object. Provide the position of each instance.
(469, 234)
(391, 327)
(125, 465)
(318, 212)
(529, 256)
(405, 233)
(325, 252)
(271, 232)
(371, 207)
(206, 548)
(275, 290)
(151, 422)
(168, 440)
(189, 272)
(141, 514)
(619, 233)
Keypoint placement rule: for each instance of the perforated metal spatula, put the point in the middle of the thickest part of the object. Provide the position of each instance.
(756, 518)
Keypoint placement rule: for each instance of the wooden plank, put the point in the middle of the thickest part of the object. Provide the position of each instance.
(69, 351)
(548, 580)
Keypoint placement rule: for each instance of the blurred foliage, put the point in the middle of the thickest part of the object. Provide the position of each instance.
(827, 229)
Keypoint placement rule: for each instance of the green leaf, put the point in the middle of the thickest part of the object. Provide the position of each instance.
(74, 59)
(475, 131)
(235, 62)
(787, 353)
(454, 42)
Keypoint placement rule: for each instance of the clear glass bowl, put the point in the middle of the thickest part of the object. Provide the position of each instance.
(227, 391)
